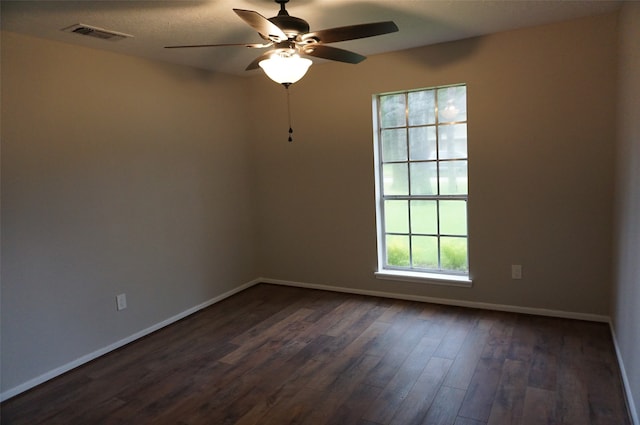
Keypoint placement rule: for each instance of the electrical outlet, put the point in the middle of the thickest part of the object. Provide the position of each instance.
(121, 301)
(516, 271)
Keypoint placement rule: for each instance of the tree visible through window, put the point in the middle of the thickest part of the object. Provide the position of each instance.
(422, 180)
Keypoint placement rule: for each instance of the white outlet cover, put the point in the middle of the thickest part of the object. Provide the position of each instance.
(516, 271)
(121, 301)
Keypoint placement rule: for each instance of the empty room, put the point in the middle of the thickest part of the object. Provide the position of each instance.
(336, 212)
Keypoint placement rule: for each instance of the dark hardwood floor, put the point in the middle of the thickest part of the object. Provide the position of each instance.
(279, 355)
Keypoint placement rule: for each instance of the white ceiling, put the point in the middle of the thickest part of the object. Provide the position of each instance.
(159, 23)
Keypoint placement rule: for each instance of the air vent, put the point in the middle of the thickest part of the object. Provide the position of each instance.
(96, 32)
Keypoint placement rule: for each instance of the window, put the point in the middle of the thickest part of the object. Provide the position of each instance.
(422, 183)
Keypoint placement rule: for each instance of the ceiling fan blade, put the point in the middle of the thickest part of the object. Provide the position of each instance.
(256, 61)
(351, 32)
(265, 27)
(332, 53)
(251, 45)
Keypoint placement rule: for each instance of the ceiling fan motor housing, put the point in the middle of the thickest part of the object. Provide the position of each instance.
(290, 25)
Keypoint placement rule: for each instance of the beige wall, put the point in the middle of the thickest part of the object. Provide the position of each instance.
(119, 175)
(541, 108)
(626, 302)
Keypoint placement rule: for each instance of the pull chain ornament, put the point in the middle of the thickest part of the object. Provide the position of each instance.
(286, 86)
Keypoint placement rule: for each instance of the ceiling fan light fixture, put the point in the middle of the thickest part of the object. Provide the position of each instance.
(285, 68)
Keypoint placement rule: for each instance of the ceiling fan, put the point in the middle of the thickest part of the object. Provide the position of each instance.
(291, 37)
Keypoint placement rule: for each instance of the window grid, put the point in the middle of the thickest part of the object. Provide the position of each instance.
(410, 197)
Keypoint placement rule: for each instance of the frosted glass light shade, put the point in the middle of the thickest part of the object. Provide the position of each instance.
(284, 68)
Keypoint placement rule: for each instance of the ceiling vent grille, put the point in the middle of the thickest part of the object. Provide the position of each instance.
(96, 32)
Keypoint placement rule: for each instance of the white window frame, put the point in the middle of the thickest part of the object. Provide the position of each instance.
(410, 274)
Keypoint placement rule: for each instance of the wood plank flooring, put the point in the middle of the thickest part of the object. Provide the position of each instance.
(275, 355)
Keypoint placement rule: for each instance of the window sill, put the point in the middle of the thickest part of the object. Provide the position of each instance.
(430, 278)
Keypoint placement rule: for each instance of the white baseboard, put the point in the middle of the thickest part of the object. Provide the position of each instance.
(633, 411)
(446, 301)
(91, 356)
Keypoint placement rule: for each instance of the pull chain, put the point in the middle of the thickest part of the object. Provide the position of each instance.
(286, 86)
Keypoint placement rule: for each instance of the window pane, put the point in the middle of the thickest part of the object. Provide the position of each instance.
(396, 180)
(452, 104)
(397, 250)
(452, 141)
(453, 218)
(423, 178)
(453, 254)
(425, 252)
(423, 167)
(394, 145)
(453, 178)
(422, 143)
(393, 110)
(396, 216)
(424, 217)
(422, 107)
